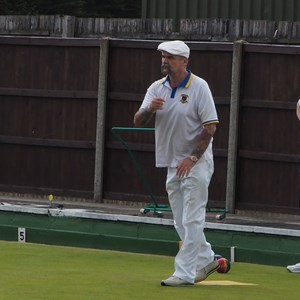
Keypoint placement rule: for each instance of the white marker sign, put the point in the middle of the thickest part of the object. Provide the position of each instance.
(22, 235)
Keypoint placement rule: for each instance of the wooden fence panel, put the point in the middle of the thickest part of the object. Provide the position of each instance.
(48, 90)
(133, 67)
(269, 146)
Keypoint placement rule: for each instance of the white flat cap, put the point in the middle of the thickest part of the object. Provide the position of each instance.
(175, 48)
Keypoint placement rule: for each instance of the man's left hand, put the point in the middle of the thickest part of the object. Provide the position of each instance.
(184, 168)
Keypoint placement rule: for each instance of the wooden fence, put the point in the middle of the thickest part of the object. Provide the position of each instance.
(260, 31)
(139, 67)
(269, 143)
(59, 99)
(48, 90)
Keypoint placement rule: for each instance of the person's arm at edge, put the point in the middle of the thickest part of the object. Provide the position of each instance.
(298, 109)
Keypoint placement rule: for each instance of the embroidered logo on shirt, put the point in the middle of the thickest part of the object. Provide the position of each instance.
(184, 98)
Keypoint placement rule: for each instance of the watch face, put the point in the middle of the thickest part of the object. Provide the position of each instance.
(194, 158)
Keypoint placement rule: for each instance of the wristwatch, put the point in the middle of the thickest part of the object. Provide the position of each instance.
(193, 158)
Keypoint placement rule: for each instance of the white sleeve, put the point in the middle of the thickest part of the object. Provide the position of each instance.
(149, 96)
(206, 106)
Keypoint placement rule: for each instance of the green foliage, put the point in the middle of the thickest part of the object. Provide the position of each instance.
(65, 7)
(83, 8)
(20, 7)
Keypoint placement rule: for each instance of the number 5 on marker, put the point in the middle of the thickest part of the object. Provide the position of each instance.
(22, 235)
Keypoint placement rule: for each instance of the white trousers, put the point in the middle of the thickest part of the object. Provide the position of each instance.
(188, 198)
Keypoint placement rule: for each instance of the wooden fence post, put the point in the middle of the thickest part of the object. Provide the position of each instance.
(233, 125)
(100, 130)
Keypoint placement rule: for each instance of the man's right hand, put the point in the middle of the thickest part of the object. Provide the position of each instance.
(156, 104)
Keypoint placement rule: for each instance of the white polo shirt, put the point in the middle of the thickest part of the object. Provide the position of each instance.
(186, 110)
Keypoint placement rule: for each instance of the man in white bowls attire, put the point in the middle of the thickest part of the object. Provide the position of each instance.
(185, 122)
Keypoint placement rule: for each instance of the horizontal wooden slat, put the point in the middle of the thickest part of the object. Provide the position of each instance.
(279, 157)
(126, 96)
(211, 46)
(152, 44)
(151, 148)
(132, 146)
(48, 93)
(28, 141)
(220, 152)
(136, 44)
(272, 49)
(139, 97)
(268, 104)
(222, 100)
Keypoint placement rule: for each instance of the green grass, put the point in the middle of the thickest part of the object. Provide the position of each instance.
(30, 271)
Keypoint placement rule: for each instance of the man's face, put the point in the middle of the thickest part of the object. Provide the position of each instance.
(171, 64)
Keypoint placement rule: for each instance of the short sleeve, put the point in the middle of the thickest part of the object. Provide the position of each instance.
(150, 94)
(206, 106)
